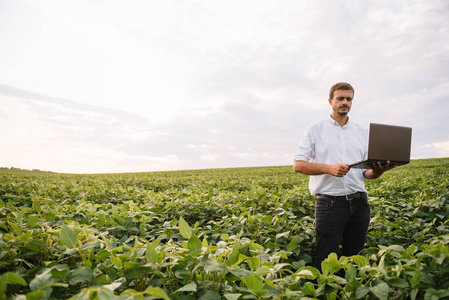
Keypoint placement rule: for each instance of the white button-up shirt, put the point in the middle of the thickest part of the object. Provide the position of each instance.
(326, 142)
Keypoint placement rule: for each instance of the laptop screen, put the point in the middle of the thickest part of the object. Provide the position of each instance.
(389, 142)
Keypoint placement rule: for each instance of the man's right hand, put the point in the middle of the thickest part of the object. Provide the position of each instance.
(338, 170)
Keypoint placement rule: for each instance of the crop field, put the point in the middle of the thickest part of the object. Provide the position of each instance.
(243, 233)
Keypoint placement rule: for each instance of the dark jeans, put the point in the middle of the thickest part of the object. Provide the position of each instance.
(337, 219)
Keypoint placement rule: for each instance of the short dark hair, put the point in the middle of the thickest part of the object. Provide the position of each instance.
(340, 86)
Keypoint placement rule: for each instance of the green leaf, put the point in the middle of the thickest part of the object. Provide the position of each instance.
(340, 280)
(3, 286)
(114, 285)
(105, 294)
(36, 207)
(210, 295)
(283, 234)
(68, 237)
(191, 287)
(15, 228)
(194, 244)
(240, 273)
(380, 291)
(413, 294)
(282, 254)
(254, 283)
(308, 273)
(184, 229)
(331, 264)
(232, 296)
(37, 295)
(351, 273)
(397, 248)
(41, 280)
(155, 243)
(262, 271)
(361, 291)
(398, 282)
(83, 295)
(308, 289)
(151, 254)
(60, 272)
(156, 292)
(266, 220)
(234, 256)
(269, 283)
(89, 245)
(443, 293)
(253, 262)
(36, 246)
(431, 294)
(427, 279)
(213, 266)
(261, 293)
(410, 250)
(103, 254)
(116, 261)
(293, 244)
(13, 278)
(361, 261)
(83, 274)
(414, 281)
(132, 271)
(32, 221)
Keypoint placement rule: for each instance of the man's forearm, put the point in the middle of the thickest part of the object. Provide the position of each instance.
(307, 168)
(378, 170)
(369, 174)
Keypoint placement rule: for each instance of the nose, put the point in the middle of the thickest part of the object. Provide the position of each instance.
(345, 103)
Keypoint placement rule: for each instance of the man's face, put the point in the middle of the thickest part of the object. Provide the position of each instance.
(342, 101)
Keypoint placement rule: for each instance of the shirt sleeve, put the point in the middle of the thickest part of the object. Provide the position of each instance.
(306, 149)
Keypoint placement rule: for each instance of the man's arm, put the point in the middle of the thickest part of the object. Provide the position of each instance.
(377, 170)
(307, 168)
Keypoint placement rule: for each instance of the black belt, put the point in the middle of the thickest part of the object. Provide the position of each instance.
(347, 197)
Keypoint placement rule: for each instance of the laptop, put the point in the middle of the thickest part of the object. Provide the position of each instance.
(387, 143)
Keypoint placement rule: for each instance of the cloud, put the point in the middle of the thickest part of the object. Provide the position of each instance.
(81, 138)
(439, 149)
(44, 131)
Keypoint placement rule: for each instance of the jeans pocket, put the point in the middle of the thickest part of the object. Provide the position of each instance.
(365, 200)
(324, 204)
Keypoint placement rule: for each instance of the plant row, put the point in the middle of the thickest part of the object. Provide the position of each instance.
(215, 234)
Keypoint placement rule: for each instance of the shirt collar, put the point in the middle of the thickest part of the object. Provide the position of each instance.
(333, 122)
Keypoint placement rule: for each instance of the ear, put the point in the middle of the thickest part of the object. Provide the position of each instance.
(330, 101)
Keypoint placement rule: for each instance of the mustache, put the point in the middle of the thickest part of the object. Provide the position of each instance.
(344, 106)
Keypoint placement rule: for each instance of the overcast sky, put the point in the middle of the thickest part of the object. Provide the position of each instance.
(129, 86)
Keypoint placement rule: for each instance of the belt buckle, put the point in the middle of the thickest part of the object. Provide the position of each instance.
(350, 197)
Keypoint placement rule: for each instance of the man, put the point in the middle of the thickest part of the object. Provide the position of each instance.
(341, 209)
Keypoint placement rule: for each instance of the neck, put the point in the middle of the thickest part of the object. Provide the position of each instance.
(341, 119)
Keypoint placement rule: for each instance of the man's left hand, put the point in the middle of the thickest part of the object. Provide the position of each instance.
(378, 169)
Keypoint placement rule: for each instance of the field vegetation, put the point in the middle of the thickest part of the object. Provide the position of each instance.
(243, 233)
